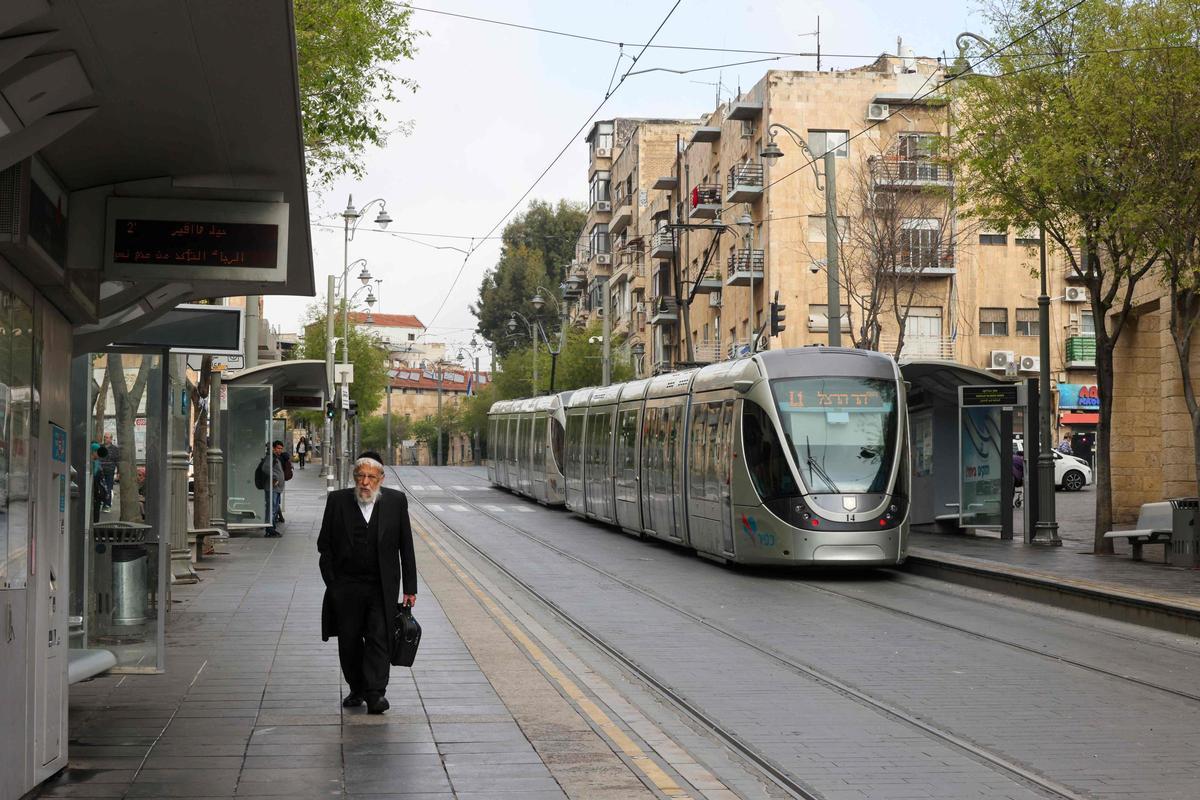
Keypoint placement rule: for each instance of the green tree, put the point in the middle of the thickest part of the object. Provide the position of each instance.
(373, 432)
(367, 354)
(346, 54)
(426, 429)
(537, 245)
(1052, 138)
(579, 364)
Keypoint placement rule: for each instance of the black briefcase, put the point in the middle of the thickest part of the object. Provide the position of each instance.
(406, 638)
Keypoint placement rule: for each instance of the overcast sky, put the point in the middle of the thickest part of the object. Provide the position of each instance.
(496, 104)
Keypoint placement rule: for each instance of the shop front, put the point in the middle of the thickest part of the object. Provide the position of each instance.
(1078, 417)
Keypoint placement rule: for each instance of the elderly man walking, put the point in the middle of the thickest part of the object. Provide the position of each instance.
(366, 552)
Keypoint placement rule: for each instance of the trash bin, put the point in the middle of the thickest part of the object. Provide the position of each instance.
(129, 594)
(124, 555)
(1185, 534)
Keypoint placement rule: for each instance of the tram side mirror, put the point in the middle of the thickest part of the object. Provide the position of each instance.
(743, 386)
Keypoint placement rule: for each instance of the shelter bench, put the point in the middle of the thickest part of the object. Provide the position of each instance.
(1153, 527)
(198, 539)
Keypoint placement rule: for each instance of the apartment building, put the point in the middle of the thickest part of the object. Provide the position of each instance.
(404, 335)
(726, 232)
(625, 158)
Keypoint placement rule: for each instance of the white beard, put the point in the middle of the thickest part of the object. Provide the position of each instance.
(367, 496)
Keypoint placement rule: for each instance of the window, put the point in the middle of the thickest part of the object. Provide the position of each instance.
(919, 244)
(598, 241)
(993, 322)
(768, 467)
(816, 227)
(993, 236)
(600, 187)
(1087, 324)
(1027, 322)
(602, 137)
(1029, 236)
(412, 337)
(821, 141)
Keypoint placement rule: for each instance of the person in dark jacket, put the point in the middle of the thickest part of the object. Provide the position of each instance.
(367, 556)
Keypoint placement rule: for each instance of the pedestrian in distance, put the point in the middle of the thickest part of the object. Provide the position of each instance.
(272, 466)
(109, 462)
(302, 450)
(1064, 446)
(366, 558)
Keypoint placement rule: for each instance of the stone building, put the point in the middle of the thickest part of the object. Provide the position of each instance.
(721, 232)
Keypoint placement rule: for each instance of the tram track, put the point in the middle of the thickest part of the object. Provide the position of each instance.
(776, 772)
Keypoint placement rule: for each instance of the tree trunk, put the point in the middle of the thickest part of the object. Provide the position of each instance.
(201, 510)
(1103, 476)
(100, 409)
(126, 402)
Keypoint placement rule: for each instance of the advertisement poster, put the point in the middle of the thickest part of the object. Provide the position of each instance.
(982, 462)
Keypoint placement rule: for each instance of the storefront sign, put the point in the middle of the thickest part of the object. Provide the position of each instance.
(1078, 396)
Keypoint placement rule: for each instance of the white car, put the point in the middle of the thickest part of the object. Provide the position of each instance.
(1071, 473)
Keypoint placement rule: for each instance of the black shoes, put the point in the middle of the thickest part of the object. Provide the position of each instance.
(353, 700)
(377, 705)
(271, 534)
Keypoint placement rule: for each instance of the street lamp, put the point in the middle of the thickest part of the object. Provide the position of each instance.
(772, 152)
(472, 351)
(536, 330)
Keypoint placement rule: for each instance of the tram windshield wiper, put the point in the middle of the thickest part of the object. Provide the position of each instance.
(813, 466)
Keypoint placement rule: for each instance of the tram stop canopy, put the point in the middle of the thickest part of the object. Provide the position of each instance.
(299, 385)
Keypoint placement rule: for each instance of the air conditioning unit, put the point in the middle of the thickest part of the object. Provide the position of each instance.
(877, 112)
(1000, 359)
(603, 258)
(603, 152)
(1031, 364)
(604, 205)
(1075, 294)
(714, 299)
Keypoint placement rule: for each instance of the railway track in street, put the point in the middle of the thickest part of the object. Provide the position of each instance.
(777, 773)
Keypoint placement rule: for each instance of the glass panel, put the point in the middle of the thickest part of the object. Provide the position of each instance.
(557, 435)
(769, 470)
(982, 461)
(247, 432)
(17, 419)
(696, 453)
(842, 431)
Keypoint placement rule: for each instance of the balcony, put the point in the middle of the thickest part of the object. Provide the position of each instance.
(744, 110)
(744, 266)
(629, 262)
(745, 183)
(705, 201)
(706, 134)
(707, 352)
(909, 173)
(622, 212)
(663, 244)
(927, 260)
(663, 311)
(919, 348)
(1081, 352)
(710, 281)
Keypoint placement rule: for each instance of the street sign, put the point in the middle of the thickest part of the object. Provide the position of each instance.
(345, 396)
(343, 373)
(228, 363)
(1001, 394)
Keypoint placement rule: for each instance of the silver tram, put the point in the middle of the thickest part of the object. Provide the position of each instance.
(786, 457)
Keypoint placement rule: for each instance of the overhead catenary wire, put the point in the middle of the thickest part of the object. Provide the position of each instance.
(608, 94)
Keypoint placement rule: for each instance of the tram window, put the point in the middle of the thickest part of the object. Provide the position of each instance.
(556, 443)
(842, 431)
(539, 445)
(764, 457)
(711, 490)
(575, 445)
(627, 440)
(696, 451)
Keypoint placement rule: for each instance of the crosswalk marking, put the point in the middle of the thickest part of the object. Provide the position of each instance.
(459, 508)
(434, 508)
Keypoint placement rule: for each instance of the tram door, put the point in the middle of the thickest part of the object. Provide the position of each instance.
(725, 477)
(573, 469)
(676, 443)
(626, 469)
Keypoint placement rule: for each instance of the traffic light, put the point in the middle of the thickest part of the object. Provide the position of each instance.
(777, 309)
(352, 411)
(330, 410)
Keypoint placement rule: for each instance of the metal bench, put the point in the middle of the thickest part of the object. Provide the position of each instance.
(1153, 527)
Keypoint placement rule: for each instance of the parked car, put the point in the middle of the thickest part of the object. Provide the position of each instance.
(1071, 473)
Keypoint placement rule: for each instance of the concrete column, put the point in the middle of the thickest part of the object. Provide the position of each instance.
(216, 456)
(253, 329)
(177, 469)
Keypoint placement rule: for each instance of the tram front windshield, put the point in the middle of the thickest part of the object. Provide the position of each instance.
(842, 431)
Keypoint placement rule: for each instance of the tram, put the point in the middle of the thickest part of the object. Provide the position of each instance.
(785, 457)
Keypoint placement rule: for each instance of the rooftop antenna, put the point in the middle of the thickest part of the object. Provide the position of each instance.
(816, 33)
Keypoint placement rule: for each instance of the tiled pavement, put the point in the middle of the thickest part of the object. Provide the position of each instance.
(249, 705)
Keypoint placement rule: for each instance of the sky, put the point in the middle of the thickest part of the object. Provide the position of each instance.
(495, 105)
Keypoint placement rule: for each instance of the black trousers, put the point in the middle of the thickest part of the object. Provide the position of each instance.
(362, 636)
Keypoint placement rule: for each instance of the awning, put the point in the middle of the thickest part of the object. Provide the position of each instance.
(1079, 418)
(293, 383)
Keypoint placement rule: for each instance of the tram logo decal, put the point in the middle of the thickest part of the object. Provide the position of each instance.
(750, 527)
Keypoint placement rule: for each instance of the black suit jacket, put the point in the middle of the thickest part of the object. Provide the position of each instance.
(397, 564)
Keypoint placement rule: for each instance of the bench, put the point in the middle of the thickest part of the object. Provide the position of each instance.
(83, 664)
(238, 510)
(1153, 527)
(198, 539)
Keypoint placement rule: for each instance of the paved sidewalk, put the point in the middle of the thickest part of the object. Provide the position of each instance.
(250, 702)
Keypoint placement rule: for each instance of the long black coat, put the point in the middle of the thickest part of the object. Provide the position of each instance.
(396, 559)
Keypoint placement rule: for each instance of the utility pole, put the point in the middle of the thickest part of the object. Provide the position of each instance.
(1046, 530)
(253, 328)
(834, 313)
(606, 345)
(475, 444)
(441, 374)
(327, 451)
(389, 419)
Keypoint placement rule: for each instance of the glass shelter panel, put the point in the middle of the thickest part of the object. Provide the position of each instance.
(246, 429)
(18, 409)
(982, 457)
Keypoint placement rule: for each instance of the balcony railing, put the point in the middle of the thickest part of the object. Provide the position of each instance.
(622, 210)
(663, 309)
(914, 172)
(663, 244)
(926, 259)
(705, 201)
(745, 183)
(1081, 352)
(707, 352)
(710, 281)
(744, 265)
(920, 348)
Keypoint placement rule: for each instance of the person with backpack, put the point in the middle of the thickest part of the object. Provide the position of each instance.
(271, 472)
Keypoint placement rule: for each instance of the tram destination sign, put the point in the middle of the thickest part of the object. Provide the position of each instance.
(196, 240)
(1002, 394)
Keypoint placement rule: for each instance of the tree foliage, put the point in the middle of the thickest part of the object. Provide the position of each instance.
(1052, 135)
(367, 354)
(347, 51)
(537, 245)
(578, 365)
